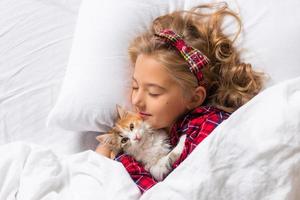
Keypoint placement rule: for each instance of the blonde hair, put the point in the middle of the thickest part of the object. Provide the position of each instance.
(229, 83)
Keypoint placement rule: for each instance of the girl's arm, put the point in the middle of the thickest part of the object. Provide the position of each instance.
(140, 176)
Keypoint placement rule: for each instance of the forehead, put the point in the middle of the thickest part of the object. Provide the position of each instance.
(148, 70)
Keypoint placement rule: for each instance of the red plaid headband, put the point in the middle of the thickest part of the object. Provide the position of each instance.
(195, 58)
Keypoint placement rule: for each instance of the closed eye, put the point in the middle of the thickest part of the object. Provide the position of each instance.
(154, 95)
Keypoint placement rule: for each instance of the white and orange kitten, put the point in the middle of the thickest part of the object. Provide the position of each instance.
(148, 146)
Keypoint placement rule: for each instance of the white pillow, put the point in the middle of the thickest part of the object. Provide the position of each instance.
(98, 73)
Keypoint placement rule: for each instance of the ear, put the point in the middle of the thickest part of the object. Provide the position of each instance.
(198, 97)
(104, 138)
(121, 111)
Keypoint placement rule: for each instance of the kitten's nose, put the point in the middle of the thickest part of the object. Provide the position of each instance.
(137, 137)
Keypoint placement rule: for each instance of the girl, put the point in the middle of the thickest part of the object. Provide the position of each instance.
(187, 79)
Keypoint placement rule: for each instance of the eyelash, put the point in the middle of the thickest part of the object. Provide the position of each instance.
(152, 95)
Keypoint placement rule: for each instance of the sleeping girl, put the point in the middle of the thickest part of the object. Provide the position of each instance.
(188, 78)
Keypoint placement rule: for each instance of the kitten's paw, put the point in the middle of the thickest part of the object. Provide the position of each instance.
(176, 152)
(179, 147)
(160, 169)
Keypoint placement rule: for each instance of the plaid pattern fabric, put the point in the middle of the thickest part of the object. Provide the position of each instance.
(196, 59)
(197, 125)
(139, 175)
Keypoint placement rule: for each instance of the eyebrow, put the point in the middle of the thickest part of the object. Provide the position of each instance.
(151, 84)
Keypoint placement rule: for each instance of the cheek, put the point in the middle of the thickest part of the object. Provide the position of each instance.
(167, 113)
(173, 110)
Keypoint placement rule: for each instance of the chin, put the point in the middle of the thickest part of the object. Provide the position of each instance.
(151, 124)
(154, 125)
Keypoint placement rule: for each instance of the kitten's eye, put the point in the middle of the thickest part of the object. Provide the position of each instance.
(131, 126)
(124, 140)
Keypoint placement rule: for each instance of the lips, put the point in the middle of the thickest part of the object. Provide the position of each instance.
(142, 114)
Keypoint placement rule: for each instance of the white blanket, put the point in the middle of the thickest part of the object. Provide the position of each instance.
(255, 154)
(30, 172)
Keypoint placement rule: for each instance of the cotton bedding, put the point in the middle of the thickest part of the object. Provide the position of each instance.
(254, 154)
(35, 42)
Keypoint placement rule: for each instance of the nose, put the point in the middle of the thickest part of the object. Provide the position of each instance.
(137, 137)
(137, 99)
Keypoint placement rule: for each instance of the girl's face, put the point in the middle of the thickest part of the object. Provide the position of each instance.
(155, 95)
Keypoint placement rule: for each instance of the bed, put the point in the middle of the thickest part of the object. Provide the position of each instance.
(36, 39)
(47, 134)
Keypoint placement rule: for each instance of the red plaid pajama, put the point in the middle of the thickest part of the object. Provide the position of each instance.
(197, 125)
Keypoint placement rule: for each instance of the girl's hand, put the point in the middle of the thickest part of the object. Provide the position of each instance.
(104, 150)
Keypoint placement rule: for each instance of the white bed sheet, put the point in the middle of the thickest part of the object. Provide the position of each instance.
(35, 41)
(253, 155)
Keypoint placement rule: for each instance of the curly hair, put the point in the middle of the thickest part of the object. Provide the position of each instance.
(229, 82)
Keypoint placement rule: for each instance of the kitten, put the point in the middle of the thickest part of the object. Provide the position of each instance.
(136, 138)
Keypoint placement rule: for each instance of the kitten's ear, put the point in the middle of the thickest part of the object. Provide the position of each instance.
(121, 112)
(104, 138)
